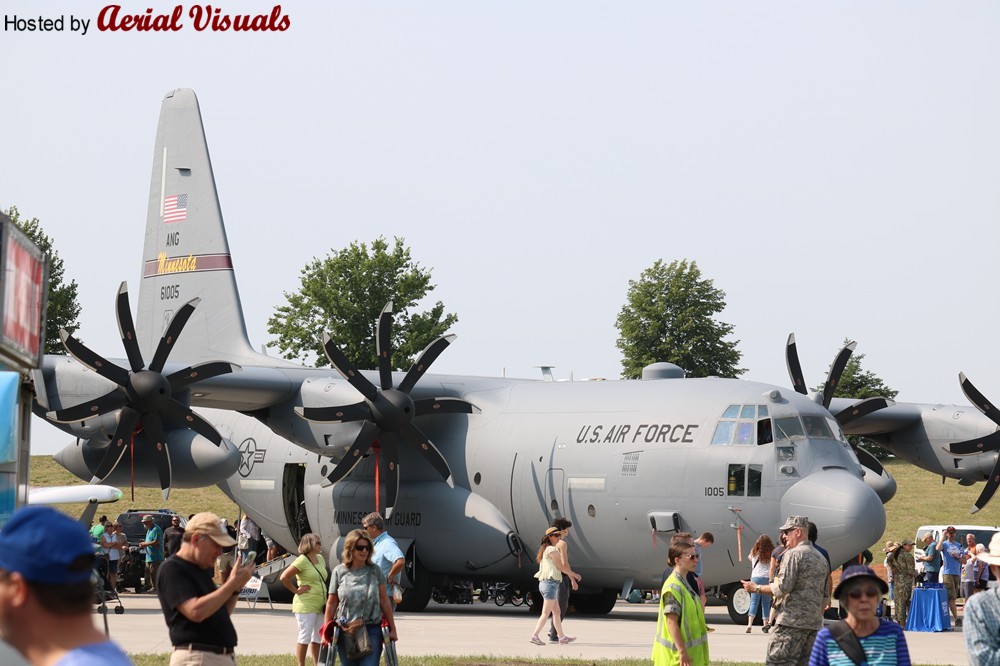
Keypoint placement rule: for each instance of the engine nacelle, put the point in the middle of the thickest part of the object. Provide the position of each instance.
(195, 461)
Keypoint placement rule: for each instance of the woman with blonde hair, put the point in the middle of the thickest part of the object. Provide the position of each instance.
(358, 600)
(306, 578)
(552, 567)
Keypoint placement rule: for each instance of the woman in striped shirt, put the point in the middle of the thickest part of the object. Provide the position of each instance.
(862, 638)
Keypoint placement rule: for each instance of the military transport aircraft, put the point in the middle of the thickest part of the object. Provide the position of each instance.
(469, 470)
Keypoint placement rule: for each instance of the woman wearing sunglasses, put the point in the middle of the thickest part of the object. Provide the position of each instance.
(358, 600)
(552, 567)
(681, 631)
(862, 638)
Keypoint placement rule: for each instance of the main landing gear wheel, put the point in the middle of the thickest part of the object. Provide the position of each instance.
(601, 603)
(737, 603)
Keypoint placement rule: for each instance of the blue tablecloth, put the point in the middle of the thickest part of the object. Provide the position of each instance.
(928, 610)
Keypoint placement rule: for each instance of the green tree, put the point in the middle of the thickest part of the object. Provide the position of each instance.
(343, 295)
(669, 315)
(63, 308)
(860, 384)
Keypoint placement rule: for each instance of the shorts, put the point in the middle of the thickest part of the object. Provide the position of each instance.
(309, 625)
(951, 583)
(549, 588)
(112, 566)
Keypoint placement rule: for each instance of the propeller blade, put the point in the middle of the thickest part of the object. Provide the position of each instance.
(444, 406)
(126, 327)
(127, 421)
(794, 368)
(383, 341)
(861, 408)
(347, 369)
(390, 453)
(170, 335)
(197, 373)
(419, 441)
(93, 360)
(869, 461)
(158, 440)
(427, 356)
(990, 442)
(359, 411)
(85, 410)
(836, 371)
(991, 486)
(182, 413)
(362, 443)
(978, 399)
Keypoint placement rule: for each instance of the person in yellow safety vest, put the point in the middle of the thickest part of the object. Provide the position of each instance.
(681, 631)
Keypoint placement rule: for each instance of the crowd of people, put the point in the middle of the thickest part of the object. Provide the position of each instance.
(352, 607)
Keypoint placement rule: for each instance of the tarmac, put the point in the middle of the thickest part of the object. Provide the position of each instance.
(484, 629)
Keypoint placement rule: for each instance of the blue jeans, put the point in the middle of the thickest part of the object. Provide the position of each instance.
(756, 600)
(375, 634)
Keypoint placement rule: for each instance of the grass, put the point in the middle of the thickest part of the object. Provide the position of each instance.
(921, 499)
(45, 471)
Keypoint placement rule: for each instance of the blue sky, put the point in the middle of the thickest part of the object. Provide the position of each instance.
(832, 166)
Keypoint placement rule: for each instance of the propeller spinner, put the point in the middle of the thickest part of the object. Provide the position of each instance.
(990, 442)
(853, 412)
(387, 412)
(144, 395)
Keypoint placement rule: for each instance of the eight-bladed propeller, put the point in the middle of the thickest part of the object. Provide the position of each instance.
(387, 413)
(990, 442)
(845, 416)
(144, 395)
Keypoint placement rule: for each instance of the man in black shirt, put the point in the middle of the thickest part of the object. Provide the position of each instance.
(196, 611)
(172, 537)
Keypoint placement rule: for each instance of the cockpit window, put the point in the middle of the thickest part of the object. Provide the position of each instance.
(788, 427)
(739, 426)
(816, 426)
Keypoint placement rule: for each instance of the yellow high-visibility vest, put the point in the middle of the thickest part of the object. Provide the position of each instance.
(694, 630)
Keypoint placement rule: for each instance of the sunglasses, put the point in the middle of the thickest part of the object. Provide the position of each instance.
(362, 547)
(692, 556)
(866, 592)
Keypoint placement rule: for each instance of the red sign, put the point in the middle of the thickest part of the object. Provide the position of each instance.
(24, 287)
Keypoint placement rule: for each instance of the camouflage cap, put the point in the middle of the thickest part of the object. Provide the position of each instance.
(795, 521)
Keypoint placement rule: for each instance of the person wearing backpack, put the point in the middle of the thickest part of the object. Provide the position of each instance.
(862, 638)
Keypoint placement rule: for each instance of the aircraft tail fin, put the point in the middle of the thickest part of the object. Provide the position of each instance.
(186, 252)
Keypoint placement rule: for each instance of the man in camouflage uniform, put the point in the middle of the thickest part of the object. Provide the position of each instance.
(799, 590)
(904, 572)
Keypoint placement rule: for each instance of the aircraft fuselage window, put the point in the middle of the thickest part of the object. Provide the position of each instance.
(737, 480)
(748, 412)
(785, 453)
(732, 412)
(744, 480)
(755, 475)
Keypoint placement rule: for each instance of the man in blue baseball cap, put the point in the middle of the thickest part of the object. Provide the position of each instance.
(47, 592)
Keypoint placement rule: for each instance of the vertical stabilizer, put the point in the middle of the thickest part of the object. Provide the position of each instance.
(186, 254)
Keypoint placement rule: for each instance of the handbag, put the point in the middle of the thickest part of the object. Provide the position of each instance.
(243, 543)
(357, 643)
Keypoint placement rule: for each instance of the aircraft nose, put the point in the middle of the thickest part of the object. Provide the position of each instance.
(848, 514)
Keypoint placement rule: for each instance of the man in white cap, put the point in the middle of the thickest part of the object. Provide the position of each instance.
(197, 612)
(982, 614)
